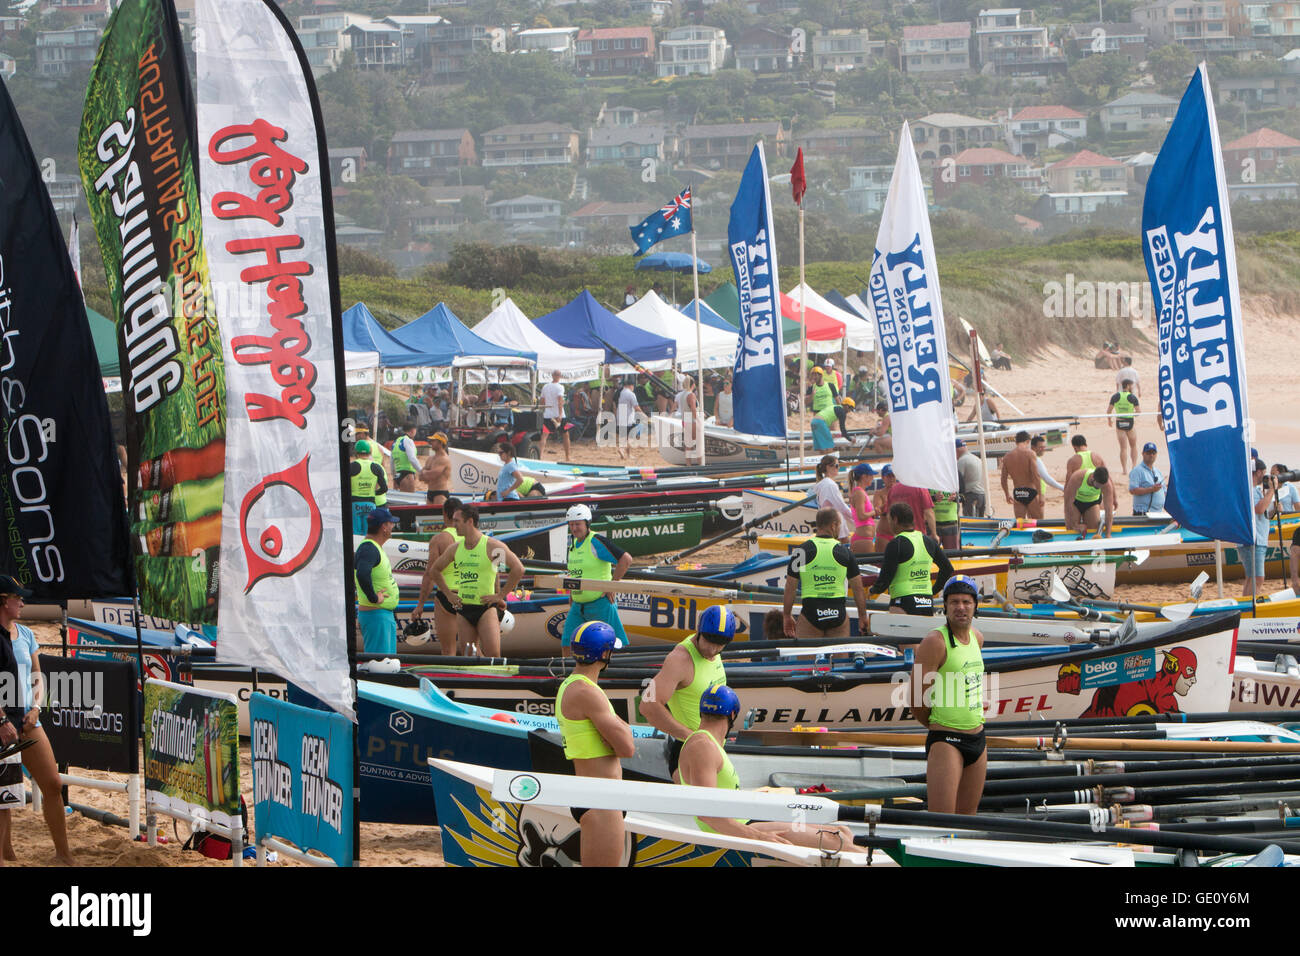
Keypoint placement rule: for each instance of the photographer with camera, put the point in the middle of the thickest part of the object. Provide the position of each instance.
(1287, 499)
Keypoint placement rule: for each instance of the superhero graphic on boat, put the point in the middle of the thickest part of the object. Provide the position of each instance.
(1154, 695)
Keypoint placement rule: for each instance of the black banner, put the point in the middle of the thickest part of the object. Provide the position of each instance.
(65, 522)
(90, 713)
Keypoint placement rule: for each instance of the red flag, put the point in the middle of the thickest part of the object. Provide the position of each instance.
(798, 183)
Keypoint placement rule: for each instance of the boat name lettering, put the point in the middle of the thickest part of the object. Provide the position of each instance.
(643, 531)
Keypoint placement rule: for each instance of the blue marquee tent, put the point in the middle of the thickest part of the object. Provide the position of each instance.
(363, 333)
(585, 323)
(440, 333)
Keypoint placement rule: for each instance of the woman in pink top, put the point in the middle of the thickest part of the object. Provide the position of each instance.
(864, 520)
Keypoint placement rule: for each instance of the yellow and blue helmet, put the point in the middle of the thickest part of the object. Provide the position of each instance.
(593, 642)
(720, 701)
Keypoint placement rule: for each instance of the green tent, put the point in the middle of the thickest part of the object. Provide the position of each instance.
(725, 301)
(104, 333)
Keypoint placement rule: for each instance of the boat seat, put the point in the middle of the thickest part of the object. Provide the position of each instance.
(1286, 664)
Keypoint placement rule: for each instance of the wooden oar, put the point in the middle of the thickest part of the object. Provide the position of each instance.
(837, 738)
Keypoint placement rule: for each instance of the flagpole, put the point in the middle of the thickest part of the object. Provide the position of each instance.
(803, 347)
(979, 415)
(698, 423)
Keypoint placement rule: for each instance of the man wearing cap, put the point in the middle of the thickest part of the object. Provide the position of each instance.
(593, 558)
(1146, 484)
(436, 473)
(1253, 553)
(369, 485)
(377, 593)
(406, 461)
(970, 479)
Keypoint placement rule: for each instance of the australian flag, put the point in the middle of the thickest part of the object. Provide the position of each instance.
(674, 219)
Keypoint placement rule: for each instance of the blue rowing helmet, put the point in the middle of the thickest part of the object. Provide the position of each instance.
(961, 584)
(716, 624)
(593, 642)
(720, 701)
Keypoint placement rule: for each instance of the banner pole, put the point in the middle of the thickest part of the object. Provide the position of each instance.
(1218, 565)
(699, 351)
(803, 348)
(979, 415)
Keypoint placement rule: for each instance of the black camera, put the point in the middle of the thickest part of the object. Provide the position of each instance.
(1284, 476)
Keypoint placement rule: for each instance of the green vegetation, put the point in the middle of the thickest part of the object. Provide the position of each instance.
(1001, 291)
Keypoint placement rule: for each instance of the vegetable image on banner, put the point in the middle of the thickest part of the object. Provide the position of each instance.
(191, 751)
(66, 531)
(137, 165)
(269, 234)
(1191, 259)
(904, 289)
(760, 368)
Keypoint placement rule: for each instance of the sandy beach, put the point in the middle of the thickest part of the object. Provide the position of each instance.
(1054, 383)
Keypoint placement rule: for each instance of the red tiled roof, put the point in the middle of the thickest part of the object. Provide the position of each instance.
(938, 31)
(615, 33)
(1046, 112)
(987, 156)
(1086, 157)
(1264, 138)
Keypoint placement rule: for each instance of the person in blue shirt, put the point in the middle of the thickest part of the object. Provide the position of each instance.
(1146, 483)
(508, 479)
(1287, 499)
(1252, 554)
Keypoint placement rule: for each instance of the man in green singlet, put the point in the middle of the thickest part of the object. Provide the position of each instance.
(406, 460)
(594, 558)
(1083, 457)
(948, 698)
(905, 569)
(368, 482)
(823, 570)
(594, 739)
(671, 701)
(705, 763)
(444, 613)
(1090, 492)
(376, 587)
(1123, 406)
(478, 603)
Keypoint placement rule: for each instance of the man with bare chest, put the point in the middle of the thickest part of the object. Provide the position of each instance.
(1020, 465)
